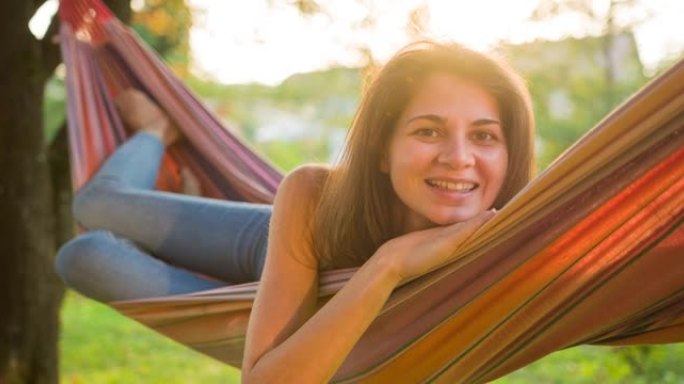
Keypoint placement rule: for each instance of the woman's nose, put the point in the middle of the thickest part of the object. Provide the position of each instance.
(456, 153)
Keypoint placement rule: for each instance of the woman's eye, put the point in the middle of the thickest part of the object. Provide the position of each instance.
(426, 132)
(484, 136)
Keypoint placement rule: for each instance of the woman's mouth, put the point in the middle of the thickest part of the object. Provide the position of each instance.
(452, 186)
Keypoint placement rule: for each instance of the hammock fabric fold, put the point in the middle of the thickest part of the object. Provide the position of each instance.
(591, 252)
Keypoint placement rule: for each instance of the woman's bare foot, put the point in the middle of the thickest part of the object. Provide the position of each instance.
(190, 185)
(142, 114)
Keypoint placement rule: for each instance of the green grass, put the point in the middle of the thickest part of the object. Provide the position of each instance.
(661, 364)
(99, 345)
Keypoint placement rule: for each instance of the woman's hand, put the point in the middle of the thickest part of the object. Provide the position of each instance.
(141, 114)
(419, 252)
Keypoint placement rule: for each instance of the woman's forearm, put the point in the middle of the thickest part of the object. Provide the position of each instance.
(316, 350)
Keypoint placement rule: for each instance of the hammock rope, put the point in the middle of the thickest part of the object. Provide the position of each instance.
(592, 251)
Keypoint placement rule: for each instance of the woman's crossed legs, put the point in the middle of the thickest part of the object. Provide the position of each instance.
(221, 242)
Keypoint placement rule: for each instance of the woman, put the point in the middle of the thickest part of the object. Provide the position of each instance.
(442, 138)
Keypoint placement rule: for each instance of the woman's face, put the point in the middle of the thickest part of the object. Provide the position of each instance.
(447, 157)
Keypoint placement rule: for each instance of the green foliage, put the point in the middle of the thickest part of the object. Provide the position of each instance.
(571, 87)
(165, 26)
(98, 345)
(54, 107)
(331, 84)
(287, 155)
(590, 364)
(320, 102)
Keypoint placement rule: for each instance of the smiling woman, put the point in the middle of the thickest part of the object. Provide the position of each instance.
(426, 160)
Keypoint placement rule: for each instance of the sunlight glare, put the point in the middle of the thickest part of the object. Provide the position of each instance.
(40, 21)
(480, 24)
(265, 41)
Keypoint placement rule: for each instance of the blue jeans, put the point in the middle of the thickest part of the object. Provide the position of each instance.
(146, 243)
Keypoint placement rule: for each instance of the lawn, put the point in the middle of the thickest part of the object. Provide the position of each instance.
(99, 345)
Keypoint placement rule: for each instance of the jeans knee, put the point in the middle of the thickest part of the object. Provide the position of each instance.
(89, 204)
(82, 256)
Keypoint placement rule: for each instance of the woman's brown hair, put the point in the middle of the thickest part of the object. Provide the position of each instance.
(355, 214)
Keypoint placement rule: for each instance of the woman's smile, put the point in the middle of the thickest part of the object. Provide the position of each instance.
(447, 158)
(452, 185)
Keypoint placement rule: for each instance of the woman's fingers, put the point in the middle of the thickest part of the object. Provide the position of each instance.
(467, 228)
(455, 235)
(427, 250)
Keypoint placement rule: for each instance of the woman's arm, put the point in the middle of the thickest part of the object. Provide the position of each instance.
(287, 340)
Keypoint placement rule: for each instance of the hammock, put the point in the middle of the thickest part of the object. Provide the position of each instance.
(592, 251)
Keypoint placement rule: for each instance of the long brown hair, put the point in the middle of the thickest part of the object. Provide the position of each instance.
(354, 216)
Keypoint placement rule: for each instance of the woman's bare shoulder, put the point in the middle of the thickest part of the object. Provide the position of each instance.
(294, 209)
(307, 181)
(313, 174)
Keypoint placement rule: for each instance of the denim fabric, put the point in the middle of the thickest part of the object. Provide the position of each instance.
(145, 243)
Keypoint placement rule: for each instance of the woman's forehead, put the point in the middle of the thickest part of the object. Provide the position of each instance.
(445, 94)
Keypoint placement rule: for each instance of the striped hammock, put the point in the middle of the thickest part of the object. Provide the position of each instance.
(591, 252)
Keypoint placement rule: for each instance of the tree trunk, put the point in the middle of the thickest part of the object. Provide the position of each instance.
(28, 298)
(35, 195)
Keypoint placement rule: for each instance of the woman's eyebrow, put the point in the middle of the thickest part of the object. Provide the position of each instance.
(442, 120)
(486, 121)
(430, 116)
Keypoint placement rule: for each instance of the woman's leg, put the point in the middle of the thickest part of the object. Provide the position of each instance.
(108, 268)
(222, 239)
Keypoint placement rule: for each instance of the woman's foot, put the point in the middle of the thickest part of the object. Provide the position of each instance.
(142, 114)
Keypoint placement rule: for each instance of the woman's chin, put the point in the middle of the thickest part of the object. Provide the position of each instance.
(454, 217)
(440, 219)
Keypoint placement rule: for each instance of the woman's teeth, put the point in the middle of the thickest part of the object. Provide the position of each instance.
(452, 186)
